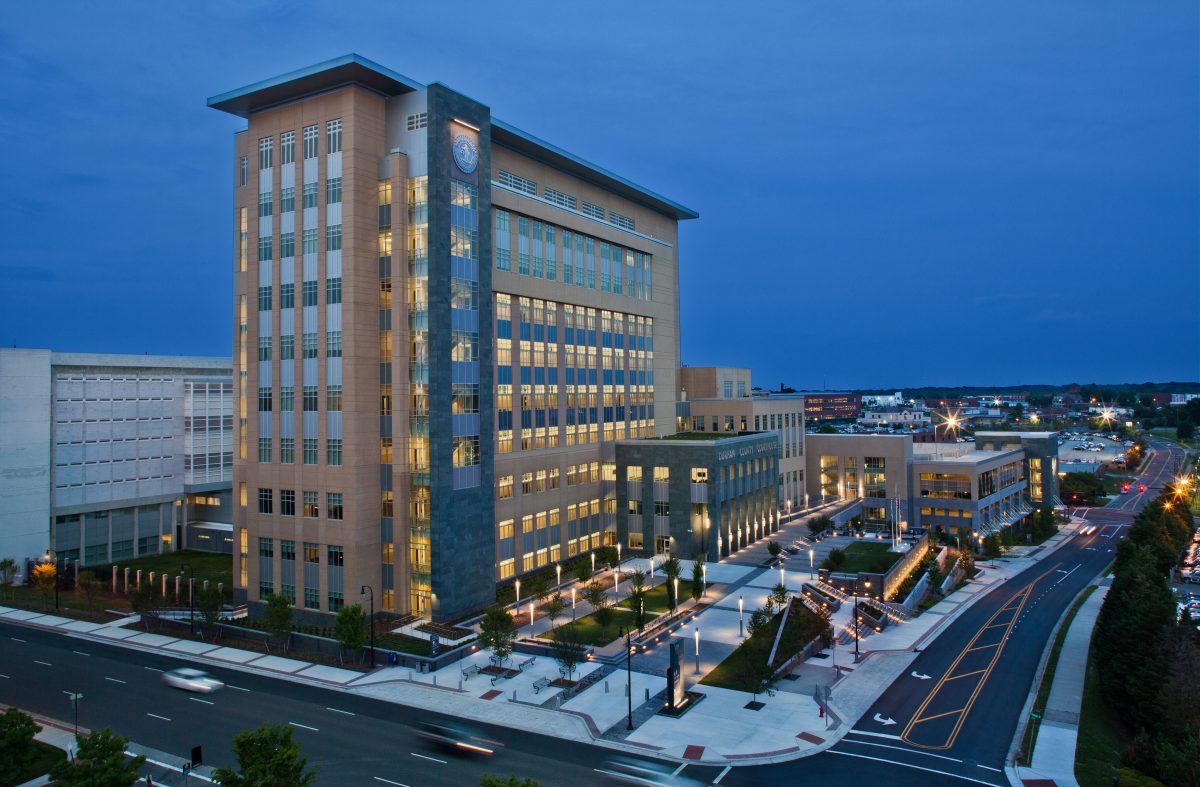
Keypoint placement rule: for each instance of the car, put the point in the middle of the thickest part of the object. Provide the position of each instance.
(455, 737)
(190, 679)
(628, 770)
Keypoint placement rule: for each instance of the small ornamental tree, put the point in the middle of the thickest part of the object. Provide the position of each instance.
(277, 621)
(539, 588)
(17, 751)
(600, 602)
(267, 757)
(583, 571)
(497, 631)
(43, 576)
(568, 648)
(100, 760)
(554, 608)
(8, 574)
(819, 524)
(350, 629)
(637, 597)
(697, 579)
(672, 570)
(208, 601)
(774, 549)
(88, 585)
(779, 594)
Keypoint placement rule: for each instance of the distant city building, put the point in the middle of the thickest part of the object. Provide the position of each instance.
(883, 400)
(959, 489)
(831, 405)
(714, 382)
(1183, 398)
(108, 457)
(908, 417)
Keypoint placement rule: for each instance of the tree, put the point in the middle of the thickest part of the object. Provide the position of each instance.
(267, 757)
(935, 577)
(991, 546)
(100, 760)
(672, 570)
(779, 595)
(145, 603)
(1186, 430)
(498, 631)
(1080, 488)
(489, 780)
(88, 585)
(607, 556)
(827, 429)
(583, 572)
(554, 607)
(595, 595)
(539, 588)
(819, 524)
(568, 648)
(17, 751)
(760, 620)
(8, 573)
(350, 629)
(209, 601)
(277, 621)
(637, 597)
(697, 580)
(43, 577)
(834, 560)
(774, 549)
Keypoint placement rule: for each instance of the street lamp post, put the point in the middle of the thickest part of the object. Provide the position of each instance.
(675, 595)
(741, 605)
(811, 555)
(572, 605)
(856, 618)
(558, 571)
(191, 600)
(531, 618)
(371, 620)
(697, 650)
(616, 581)
(593, 562)
(518, 601)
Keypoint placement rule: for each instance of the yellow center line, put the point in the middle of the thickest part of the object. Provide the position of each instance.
(940, 715)
(964, 675)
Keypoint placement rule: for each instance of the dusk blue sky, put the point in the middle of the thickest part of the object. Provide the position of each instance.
(891, 193)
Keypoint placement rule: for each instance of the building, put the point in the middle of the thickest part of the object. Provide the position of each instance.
(714, 382)
(884, 400)
(891, 417)
(439, 341)
(955, 488)
(690, 494)
(108, 457)
(831, 405)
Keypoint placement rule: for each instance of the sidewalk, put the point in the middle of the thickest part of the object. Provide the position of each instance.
(720, 730)
(1054, 750)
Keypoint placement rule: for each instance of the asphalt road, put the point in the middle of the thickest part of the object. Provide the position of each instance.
(953, 726)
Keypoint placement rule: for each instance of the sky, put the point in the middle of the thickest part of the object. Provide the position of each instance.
(890, 193)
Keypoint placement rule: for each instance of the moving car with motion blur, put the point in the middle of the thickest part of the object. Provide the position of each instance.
(190, 679)
(456, 738)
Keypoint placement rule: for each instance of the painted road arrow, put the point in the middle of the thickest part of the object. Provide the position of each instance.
(884, 720)
(919, 676)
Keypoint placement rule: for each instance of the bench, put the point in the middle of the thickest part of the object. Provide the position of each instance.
(540, 684)
(498, 677)
(521, 665)
(470, 672)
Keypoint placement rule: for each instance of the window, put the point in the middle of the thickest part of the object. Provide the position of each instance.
(309, 293)
(310, 142)
(311, 508)
(558, 198)
(505, 488)
(595, 211)
(417, 121)
(264, 298)
(265, 501)
(312, 599)
(264, 348)
(287, 147)
(333, 453)
(333, 506)
(264, 153)
(264, 450)
(310, 201)
(333, 238)
(310, 398)
(333, 191)
(287, 244)
(310, 345)
(333, 344)
(264, 399)
(333, 290)
(518, 183)
(287, 502)
(624, 222)
(287, 450)
(662, 508)
(310, 450)
(333, 398)
(333, 136)
(243, 171)
(287, 201)
(264, 249)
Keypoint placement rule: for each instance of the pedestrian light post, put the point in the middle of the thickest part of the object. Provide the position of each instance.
(697, 650)
(518, 604)
(572, 605)
(558, 572)
(368, 591)
(531, 618)
(741, 605)
(867, 585)
(811, 554)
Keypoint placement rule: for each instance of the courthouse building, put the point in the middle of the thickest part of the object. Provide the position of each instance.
(438, 341)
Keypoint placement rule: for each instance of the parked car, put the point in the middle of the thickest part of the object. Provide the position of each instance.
(190, 679)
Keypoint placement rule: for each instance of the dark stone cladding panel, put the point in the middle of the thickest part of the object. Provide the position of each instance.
(462, 539)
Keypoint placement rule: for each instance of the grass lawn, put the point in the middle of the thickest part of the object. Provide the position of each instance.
(45, 758)
(872, 556)
(25, 597)
(1113, 481)
(207, 565)
(733, 672)
(1043, 695)
(592, 633)
(656, 597)
(1168, 433)
(1098, 750)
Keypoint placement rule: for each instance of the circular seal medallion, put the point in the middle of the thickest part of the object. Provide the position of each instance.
(466, 155)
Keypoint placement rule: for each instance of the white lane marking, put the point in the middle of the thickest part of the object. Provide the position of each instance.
(303, 726)
(335, 710)
(114, 680)
(680, 768)
(231, 686)
(989, 768)
(152, 669)
(903, 749)
(916, 767)
(4, 676)
(197, 699)
(80, 653)
(423, 757)
(388, 781)
(14, 639)
(876, 734)
(721, 775)
(155, 715)
(43, 663)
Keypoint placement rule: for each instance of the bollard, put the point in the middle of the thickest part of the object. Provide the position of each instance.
(178, 582)
(435, 679)
(460, 684)
(606, 687)
(127, 580)
(221, 587)
(514, 699)
(114, 579)
(647, 695)
(410, 675)
(139, 579)
(164, 590)
(627, 689)
(151, 579)
(205, 585)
